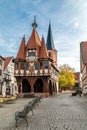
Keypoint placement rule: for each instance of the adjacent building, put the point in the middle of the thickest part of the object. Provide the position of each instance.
(9, 79)
(1, 72)
(36, 68)
(77, 78)
(83, 64)
(8, 85)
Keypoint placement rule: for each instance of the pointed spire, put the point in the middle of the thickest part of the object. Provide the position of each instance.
(34, 24)
(43, 51)
(50, 43)
(21, 51)
(34, 40)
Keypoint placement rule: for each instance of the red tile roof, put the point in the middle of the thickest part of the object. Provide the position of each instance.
(83, 51)
(1, 57)
(34, 41)
(43, 49)
(22, 49)
(7, 60)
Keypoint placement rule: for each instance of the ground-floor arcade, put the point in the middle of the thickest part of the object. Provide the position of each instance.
(43, 86)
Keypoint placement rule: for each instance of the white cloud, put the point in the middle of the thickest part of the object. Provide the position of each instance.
(76, 25)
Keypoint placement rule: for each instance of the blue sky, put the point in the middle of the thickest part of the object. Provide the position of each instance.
(68, 22)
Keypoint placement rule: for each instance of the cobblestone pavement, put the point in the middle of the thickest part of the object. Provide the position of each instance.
(60, 112)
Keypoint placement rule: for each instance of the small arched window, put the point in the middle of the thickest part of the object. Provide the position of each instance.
(49, 54)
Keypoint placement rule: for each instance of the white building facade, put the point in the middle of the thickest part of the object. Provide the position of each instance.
(1, 72)
(9, 85)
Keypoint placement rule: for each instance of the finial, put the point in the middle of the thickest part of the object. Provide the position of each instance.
(34, 24)
(24, 36)
(34, 19)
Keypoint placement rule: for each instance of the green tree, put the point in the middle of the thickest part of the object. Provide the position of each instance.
(66, 76)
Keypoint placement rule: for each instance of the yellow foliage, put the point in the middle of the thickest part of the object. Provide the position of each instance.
(66, 77)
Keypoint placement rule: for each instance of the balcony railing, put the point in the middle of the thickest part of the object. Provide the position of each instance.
(33, 73)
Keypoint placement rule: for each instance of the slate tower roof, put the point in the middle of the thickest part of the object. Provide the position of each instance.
(50, 43)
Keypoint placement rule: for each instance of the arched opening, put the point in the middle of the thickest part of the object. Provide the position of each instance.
(38, 86)
(50, 88)
(26, 86)
(55, 88)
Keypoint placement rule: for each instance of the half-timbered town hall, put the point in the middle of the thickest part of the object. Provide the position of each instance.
(36, 68)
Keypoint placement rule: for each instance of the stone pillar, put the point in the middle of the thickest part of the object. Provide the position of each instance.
(32, 88)
(31, 81)
(16, 88)
(21, 88)
(11, 89)
(4, 89)
(57, 87)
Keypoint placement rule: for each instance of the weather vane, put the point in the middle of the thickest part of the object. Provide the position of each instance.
(34, 24)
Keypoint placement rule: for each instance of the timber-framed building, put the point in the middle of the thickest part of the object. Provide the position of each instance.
(36, 68)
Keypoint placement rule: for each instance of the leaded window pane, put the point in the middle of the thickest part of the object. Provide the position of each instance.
(36, 66)
(27, 66)
(45, 64)
(22, 66)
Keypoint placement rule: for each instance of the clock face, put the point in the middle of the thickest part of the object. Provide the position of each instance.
(32, 58)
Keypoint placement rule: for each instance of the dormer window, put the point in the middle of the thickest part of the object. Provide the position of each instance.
(49, 54)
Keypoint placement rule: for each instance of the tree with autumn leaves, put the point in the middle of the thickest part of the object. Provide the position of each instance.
(66, 77)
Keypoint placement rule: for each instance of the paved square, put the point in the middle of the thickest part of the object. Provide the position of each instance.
(60, 112)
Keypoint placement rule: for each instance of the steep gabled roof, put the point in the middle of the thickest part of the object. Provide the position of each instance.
(50, 43)
(83, 51)
(21, 51)
(2, 57)
(7, 61)
(43, 49)
(34, 41)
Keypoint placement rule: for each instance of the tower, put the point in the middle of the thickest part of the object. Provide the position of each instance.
(52, 52)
